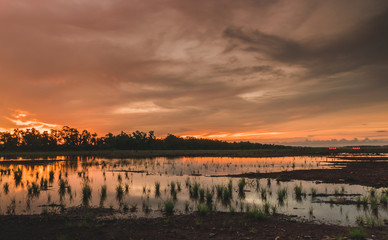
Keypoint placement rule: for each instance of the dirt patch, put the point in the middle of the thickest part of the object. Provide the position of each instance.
(213, 226)
(367, 173)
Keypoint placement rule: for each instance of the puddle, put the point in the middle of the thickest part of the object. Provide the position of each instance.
(42, 186)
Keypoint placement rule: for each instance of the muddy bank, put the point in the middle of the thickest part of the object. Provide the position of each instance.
(367, 173)
(86, 225)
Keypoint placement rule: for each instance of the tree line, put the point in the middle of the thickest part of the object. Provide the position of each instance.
(69, 138)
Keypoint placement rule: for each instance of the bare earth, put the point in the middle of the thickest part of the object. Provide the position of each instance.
(85, 225)
(367, 173)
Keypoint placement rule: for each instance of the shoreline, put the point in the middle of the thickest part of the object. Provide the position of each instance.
(193, 153)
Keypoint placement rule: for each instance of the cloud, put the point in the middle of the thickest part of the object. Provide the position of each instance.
(192, 68)
(340, 143)
(356, 47)
(23, 120)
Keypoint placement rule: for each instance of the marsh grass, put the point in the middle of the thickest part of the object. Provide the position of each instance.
(33, 189)
(230, 186)
(257, 180)
(11, 207)
(201, 195)
(17, 175)
(357, 234)
(125, 207)
(194, 190)
(282, 194)
(203, 209)
(187, 206)
(269, 182)
(232, 209)
(51, 175)
(102, 195)
(6, 188)
(313, 192)
(146, 206)
(86, 194)
(133, 207)
(266, 207)
(169, 207)
(263, 193)
(257, 213)
(172, 187)
(274, 209)
(209, 197)
(62, 187)
(226, 195)
(119, 192)
(43, 184)
(157, 189)
(241, 186)
(384, 199)
(219, 190)
(372, 192)
(374, 204)
(298, 192)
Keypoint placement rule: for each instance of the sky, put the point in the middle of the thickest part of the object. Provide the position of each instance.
(293, 72)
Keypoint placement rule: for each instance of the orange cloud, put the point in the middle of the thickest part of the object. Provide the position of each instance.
(23, 120)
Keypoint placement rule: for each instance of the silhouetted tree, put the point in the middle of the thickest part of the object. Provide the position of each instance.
(70, 138)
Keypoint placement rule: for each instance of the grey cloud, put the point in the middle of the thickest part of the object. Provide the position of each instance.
(258, 41)
(362, 45)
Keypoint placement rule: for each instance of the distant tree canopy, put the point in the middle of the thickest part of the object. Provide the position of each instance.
(71, 139)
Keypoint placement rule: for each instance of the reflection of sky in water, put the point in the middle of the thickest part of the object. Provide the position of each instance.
(111, 172)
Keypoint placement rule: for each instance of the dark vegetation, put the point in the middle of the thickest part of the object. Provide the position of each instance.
(138, 143)
(72, 139)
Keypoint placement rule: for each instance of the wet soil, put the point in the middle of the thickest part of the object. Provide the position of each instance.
(88, 224)
(367, 173)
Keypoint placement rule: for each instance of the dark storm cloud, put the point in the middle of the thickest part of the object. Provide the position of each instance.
(364, 44)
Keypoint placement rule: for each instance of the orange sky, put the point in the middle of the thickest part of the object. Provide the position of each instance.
(267, 71)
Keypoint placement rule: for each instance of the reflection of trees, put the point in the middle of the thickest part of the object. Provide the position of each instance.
(69, 138)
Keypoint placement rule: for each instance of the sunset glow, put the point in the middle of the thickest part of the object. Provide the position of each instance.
(288, 72)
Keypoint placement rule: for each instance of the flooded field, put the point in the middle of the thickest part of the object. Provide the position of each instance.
(146, 187)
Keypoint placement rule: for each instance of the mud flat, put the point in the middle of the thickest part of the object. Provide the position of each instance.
(366, 173)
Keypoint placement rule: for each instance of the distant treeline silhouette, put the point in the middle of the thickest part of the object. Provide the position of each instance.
(72, 139)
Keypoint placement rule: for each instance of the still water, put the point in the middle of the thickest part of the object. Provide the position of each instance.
(129, 185)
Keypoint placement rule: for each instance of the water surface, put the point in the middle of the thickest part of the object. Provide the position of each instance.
(32, 187)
